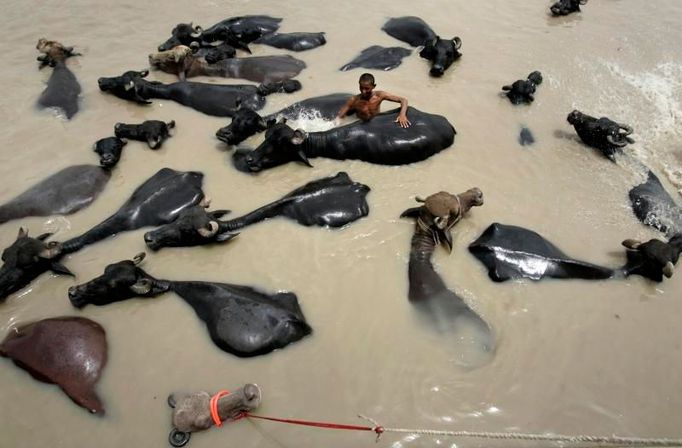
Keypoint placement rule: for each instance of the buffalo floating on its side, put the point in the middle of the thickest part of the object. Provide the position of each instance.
(379, 140)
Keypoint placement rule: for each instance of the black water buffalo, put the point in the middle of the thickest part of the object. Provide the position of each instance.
(442, 53)
(182, 34)
(247, 122)
(379, 140)
(182, 62)
(128, 86)
(109, 150)
(26, 259)
(655, 207)
(245, 28)
(378, 58)
(410, 29)
(153, 132)
(653, 259)
(565, 7)
(240, 320)
(522, 90)
(293, 41)
(215, 54)
(601, 133)
(213, 99)
(333, 201)
(193, 227)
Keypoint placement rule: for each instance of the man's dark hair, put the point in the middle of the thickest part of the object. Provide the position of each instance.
(367, 77)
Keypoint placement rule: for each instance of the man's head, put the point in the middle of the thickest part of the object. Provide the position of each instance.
(367, 85)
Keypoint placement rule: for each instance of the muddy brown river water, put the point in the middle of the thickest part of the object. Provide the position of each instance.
(573, 357)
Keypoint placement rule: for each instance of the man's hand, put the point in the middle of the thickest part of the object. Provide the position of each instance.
(403, 121)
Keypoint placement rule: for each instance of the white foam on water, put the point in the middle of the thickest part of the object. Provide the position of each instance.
(312, 121)
(656, 111)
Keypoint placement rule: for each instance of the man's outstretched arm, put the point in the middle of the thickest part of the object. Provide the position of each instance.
(402, 116)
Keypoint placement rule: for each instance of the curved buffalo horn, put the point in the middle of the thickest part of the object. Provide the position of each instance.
(52, 250)
(668, 269)
(137, 259)
(631, 244)
(418, 199)
(303, 157)
(142, 286)
(458, 42)
(211, 231)
(171, 124)
(197, 32)
(614, 142)
(298, 137)
(441, 222)
(583, 2)
(626, 128)
(22, 233)
(144, 73)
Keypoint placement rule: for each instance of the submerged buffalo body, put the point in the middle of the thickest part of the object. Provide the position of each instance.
(565, 7)
(378, 58)
(240, 320)
(152, 132)
(654, 207)
(601, 133)
(379, 140)
(246, 122)
(220, 100)
(410, 29)
(293, 41)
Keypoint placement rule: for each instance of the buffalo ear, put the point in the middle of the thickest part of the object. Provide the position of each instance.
(631, 244)
(216, 214)
(303, 157)
(458, 42)
(282, 120)
(137, 259)
(22, 233)
(44, 236)
(299, 137)
(238, 104)
(142, 286)
(412, 212)
(262, 125)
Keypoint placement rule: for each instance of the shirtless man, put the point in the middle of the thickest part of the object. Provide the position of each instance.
(367, 104)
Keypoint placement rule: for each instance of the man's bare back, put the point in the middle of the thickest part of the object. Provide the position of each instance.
(367, 104)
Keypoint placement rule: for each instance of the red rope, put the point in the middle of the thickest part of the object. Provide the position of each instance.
(378, 429)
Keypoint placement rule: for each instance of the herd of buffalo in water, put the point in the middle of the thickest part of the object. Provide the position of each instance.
(241, 320)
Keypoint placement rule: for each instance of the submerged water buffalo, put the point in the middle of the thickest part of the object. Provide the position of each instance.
(522, 90)
(241, 320)
(511, 252)
(379, 141)
(70, 352)
(246, 122)
(565, 7)
(159, 200)
(409, 29)
(62, 89)
(378, 58)
(109, 150)
(212, 99)
(293, 41)
(654, 207)
(331, 202)
(63, 193)
(601, 133)
(153, 132)
(244, 29)
(427, 291)
(652, 259)
(442, 53)
(26, 259)
(181, 61)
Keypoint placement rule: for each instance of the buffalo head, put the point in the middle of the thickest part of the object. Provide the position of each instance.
(120, 281)
(653, 259)
(193, 227)
(245, 123)
(442, 53)
(153, 132)
(182, 34)
(282, 145)
(174, 61)
(564, 7)
(127, 86)
(441, 211)
(26, 259)
(109, 150)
